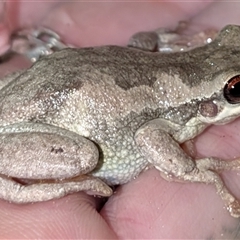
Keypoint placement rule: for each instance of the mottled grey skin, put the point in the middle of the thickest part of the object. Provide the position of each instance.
(106, 113)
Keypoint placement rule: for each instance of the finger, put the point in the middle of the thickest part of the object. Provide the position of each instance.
(150, 207)
(19, 14)
(97, 23)
(215, 14)
(71, 217)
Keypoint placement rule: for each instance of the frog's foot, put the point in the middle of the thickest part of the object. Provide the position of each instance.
(16, 192)
(167, 40)
(234, 209)
(146, 41)
(204, 172)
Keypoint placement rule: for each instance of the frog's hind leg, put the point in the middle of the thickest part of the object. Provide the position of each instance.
(41, 162)
(13, 191)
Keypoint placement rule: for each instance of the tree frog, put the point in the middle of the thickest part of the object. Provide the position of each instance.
(87, 119)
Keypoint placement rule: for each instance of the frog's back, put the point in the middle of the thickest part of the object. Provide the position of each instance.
(50, 81)
(46, 86)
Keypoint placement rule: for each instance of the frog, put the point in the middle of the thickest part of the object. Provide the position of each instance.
(87, 119)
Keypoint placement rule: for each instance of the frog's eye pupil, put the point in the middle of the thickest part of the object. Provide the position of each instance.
(232, 90)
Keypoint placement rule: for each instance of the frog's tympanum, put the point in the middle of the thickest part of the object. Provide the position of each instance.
(86, 119)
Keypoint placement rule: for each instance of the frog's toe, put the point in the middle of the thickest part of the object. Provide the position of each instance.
(97, 187)
(234, 209)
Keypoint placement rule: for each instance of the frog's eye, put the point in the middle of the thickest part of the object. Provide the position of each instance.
(232, 90)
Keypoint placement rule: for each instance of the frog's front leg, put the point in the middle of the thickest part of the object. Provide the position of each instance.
(166, 40)
(162, 151)
(50, 161)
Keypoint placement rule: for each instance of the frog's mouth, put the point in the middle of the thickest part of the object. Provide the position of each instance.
(227, 119)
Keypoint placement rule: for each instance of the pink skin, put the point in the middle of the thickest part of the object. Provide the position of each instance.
(147, 207)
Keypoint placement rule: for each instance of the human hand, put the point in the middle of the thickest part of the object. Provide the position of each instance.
(147, 207)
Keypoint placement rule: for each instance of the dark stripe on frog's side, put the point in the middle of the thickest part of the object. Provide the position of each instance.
(180, 115)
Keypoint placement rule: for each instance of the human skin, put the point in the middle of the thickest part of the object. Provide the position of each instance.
(149, 206)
